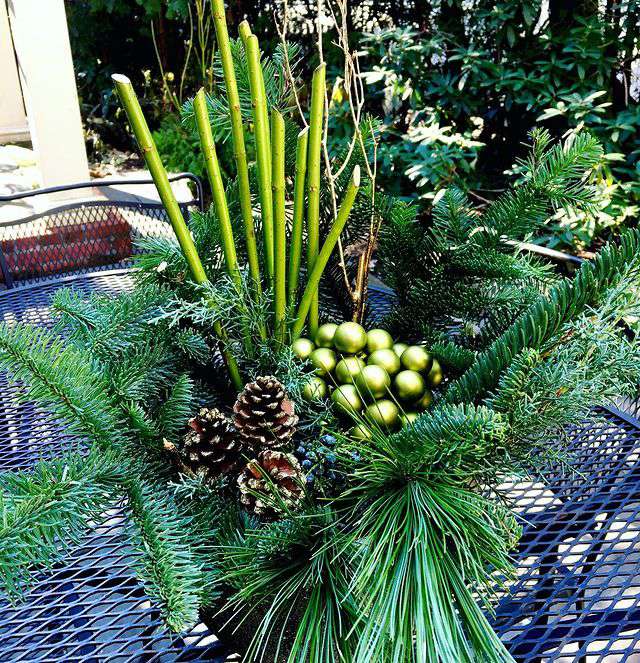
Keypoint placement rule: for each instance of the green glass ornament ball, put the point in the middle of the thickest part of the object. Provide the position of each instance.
(350, 338)
(434, 378)
(360, 432)
(379, 339)
(409, 385)
(325, 334)
(315, 389)
(372, 381)
(347, 368)
(399, 348)
(347, 399)
(384, 413)
(416, 358)
(324, 359)
(386, 358)
(302, 348)
(407, 418)
(425, 401)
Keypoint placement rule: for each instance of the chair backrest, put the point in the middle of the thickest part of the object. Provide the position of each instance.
(76, 234)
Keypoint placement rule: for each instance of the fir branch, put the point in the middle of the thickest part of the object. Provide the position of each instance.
(107, 326)
(588, 363)
(554, 179)
(544, 319)
(47, 510)
(167, 566)
(143, 371)
(275, 81)
(68, 383)
(452, 356)
(174, 413)
(159, 260)
(192, 345)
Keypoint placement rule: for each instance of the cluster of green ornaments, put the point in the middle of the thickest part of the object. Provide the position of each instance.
(371, 379)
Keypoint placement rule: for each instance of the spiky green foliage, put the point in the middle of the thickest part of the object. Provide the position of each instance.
(288, 567)
(46, 510)
(429, 541)
(171, 571)
(175, 411)
(276, 84)
(67, 382)
(470, 280)
(115, 380)
(545, 318)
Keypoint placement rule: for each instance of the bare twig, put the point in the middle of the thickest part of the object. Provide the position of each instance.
(282, 32)
(187, 57)
(172, 97)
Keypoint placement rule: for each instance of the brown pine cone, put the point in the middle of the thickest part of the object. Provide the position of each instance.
(285, 474)
(264, 415)
(212, 447)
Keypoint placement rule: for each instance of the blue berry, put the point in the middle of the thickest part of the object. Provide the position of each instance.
(306, 464)
(311, 479)
(355, 456)
(330, 440)
(312, 455)
(301, 451)
(331, 459)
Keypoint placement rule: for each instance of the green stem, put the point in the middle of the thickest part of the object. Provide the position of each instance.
(244, 30)
(159, 174)
(217, 187)
(237, 134)
(263, 147)
(295, 251)
(313, 281)
(219, 200)
(279, 224)
(318, 89)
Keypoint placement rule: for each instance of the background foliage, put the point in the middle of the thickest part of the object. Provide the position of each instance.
(458, 84)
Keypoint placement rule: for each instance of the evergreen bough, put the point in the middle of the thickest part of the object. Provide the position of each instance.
(469, 278)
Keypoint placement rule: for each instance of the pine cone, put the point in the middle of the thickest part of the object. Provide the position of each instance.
(285, 474)
(212, 447)
(264, 415)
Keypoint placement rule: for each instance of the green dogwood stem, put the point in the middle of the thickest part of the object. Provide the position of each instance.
(159, 174)
(220, 199)
(244, 30)
(217, 186)
(237, 135)
(313, 281)
(149, 151)
(279, 225)
(263, 147)
(318, 91)
(295, 250)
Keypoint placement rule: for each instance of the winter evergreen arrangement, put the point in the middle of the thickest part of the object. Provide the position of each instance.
(305, 527)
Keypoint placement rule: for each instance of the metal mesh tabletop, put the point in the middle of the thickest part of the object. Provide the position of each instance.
(577, 597)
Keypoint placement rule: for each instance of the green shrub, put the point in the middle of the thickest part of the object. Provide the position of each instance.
(178, 147)
(459, 100)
